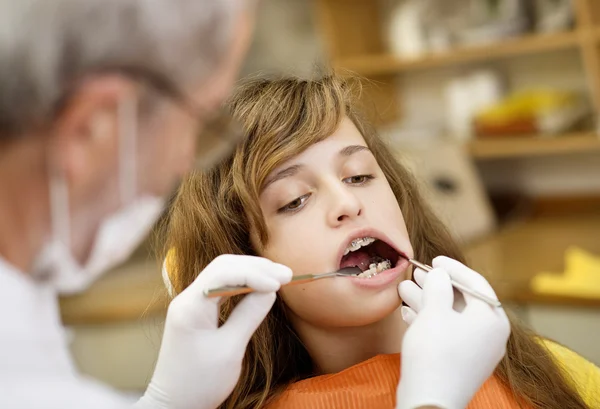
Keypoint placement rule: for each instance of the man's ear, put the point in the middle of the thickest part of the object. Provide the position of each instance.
(87, 128)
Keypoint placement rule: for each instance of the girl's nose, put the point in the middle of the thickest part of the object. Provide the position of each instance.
(345, 206)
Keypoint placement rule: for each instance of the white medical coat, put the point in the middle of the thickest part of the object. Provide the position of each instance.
(36, 369)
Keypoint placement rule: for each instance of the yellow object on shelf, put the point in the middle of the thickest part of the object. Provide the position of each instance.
(527, 104)
(581, 277)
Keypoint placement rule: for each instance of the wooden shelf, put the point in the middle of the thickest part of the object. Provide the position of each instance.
(380, 64)
(129, 293)
(515, 254)
(510, 147)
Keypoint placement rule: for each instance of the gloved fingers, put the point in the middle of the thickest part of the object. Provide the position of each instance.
(193, 308)
(465, 276)
(408, 314)
(258, 273)
(420, 276)
(247, 316)
(492, 324)
(250, 276)
(229, 262)
(492, 317)
(437, 292)
(194, 305)
(411, 294)
(188, 309)
(459, 301)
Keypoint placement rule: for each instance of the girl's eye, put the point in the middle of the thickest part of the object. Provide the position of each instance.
(295, 204)
(358, 179)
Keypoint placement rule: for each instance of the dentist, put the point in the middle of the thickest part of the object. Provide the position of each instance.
(104, 106)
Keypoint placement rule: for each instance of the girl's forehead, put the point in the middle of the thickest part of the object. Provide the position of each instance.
(345, 135)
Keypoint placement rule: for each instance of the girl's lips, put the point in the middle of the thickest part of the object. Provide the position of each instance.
(383, 279)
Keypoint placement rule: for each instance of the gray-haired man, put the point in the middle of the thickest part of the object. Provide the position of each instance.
(101, 105)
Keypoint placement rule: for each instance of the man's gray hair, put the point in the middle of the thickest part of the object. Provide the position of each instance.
(47, 45)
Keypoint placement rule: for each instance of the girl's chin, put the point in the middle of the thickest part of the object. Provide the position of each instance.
(366, 310)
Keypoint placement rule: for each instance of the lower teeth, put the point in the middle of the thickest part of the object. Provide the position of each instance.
(376, 268)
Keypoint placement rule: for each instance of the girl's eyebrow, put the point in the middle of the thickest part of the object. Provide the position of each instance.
(352, 149)
(282, 174)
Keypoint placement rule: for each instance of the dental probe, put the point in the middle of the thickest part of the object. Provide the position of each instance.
(489, 300)
(299, 279)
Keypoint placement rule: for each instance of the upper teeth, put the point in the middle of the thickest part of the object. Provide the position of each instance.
(358, 243)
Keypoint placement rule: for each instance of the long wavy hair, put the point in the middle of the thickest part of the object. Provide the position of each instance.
(215, 210)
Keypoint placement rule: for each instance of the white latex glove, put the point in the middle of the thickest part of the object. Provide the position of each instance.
(448, 354)
(199, 363)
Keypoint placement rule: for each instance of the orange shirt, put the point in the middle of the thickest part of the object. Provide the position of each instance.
(372, 385)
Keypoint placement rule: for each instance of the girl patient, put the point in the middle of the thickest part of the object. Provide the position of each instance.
(314, 188)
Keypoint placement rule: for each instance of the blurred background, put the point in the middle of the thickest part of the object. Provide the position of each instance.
(493, 104)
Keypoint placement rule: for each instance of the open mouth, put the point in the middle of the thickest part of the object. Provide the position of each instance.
(372, 256)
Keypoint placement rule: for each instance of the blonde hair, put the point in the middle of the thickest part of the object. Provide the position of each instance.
(215, 210)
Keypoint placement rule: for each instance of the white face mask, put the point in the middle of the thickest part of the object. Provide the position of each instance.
(119, 233)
